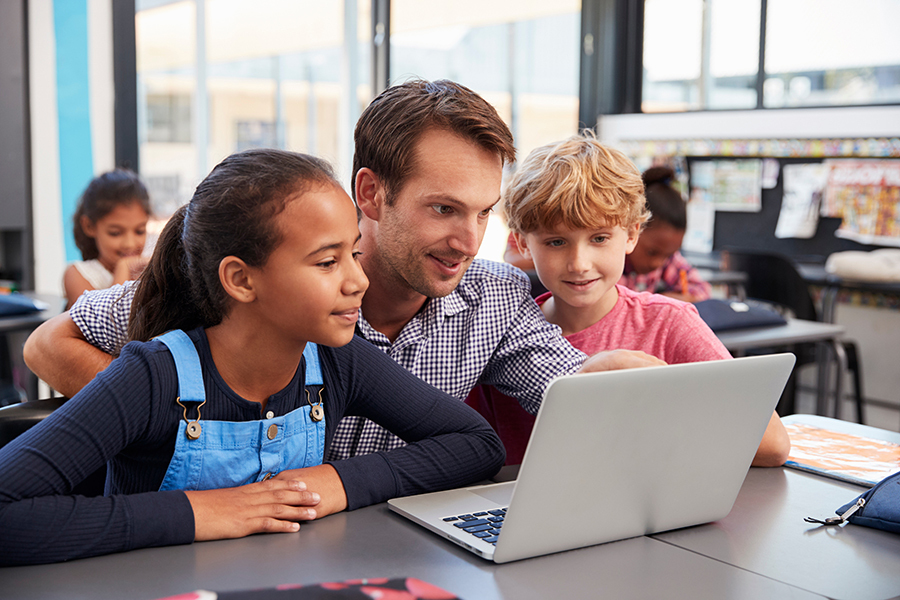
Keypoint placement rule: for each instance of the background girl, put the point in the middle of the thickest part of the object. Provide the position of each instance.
(656, 265)
(261, 270)
(110, 230)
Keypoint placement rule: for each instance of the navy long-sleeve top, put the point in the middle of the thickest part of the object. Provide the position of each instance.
(128, 416)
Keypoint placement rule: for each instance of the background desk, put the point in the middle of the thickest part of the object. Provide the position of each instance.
(797, 331)
(13, 331)
(762, 549)
(815, 274)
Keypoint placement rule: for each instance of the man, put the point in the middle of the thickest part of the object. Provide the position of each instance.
(427, 171)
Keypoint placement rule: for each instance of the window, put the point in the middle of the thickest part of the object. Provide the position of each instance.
(705, 54)
(522, 57)
(290, 74)
(700, 55)
(829, 52)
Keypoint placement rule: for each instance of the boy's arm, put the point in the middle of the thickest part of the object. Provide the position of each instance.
(58, 353)
(613, 360)
(775, 445)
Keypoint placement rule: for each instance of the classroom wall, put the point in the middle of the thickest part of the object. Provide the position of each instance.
(72, 121)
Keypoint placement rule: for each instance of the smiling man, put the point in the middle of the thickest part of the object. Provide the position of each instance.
(427, 170)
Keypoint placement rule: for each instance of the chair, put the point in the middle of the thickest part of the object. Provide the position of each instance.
(773, 278)
(16, 419)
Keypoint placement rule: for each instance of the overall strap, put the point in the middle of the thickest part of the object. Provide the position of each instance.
(313, 369)
(187, 365)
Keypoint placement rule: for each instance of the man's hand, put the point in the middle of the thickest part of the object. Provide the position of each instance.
(324, 481)
(268, 506)
(613, 360)
(58, 353)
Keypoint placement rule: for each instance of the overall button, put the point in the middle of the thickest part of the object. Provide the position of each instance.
(270, 415)
(272, 432)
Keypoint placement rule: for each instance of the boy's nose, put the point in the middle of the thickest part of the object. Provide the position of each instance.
(579, 262)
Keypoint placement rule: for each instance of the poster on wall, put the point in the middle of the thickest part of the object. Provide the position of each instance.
(804, 186)
(728, 185)
(865, 195)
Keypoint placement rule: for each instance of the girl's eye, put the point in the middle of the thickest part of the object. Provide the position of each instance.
(442, 209)
(357, 254)
(327, 264)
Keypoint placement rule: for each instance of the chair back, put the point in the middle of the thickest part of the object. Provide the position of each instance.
(774, 278)
(16, 419)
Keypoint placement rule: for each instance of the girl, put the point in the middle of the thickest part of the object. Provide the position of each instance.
(261, 271)
(655, 265)
(110, 230)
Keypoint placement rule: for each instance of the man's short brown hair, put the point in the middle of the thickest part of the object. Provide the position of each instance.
(389, 128)
(578, 183)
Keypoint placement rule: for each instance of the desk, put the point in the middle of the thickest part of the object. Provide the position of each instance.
(765, 532)
(25, 324)
(734, 281)
(762, 549)
(797, 331)
(816, 274)
(373, 542)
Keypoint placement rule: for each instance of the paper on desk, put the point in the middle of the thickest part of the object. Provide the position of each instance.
(843, 456)
(804, 185)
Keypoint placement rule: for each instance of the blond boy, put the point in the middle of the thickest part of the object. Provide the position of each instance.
(576, 208)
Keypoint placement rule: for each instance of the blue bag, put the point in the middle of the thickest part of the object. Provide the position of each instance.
(725, 315)
(878, 507)
(17, 304)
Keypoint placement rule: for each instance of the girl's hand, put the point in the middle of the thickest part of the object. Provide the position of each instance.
(129, 268)
(325, 481)
(265, 507)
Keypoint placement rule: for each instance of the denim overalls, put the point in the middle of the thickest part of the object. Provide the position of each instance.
(224, 454)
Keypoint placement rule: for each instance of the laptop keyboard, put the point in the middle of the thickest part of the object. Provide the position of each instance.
(485, 525)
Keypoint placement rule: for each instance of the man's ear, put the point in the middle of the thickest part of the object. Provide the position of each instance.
(370, 193)
(88, 227)
(522, 245)
(236, 278)
(634, 233)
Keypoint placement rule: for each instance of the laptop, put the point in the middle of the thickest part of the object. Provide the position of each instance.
(618, 454)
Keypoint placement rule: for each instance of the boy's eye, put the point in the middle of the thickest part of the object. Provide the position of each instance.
(555, 243)
(599, 239)
(442, 209)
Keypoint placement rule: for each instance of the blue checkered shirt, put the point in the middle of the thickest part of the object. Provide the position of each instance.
(487, 331)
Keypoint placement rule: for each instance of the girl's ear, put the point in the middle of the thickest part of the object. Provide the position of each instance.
(236, 279)
(370, 193)
(522, 244)
(634, 233)
(88, 227)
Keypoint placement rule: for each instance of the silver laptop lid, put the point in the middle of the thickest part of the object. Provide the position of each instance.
(625, 453)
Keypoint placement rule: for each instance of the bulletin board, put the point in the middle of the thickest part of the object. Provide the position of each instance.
(753, 227)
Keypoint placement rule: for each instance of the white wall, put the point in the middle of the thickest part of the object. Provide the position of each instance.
(803, 123)
(46, 196)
